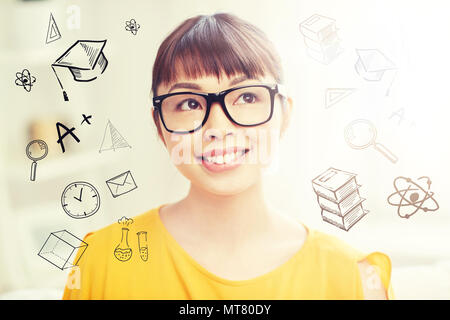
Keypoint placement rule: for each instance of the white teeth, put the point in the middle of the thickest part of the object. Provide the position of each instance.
(219, 160)
(227, 158)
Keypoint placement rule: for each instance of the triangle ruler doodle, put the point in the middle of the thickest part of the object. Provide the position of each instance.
(334, 95)
(53, 33)
(112, 139)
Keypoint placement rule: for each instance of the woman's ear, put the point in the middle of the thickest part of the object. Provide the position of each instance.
(288, 104)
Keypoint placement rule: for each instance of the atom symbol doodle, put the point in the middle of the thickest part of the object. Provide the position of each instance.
(132, 26)
(25, 79)
(413, 195)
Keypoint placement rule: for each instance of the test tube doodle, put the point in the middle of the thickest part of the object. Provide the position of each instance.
(143, 246)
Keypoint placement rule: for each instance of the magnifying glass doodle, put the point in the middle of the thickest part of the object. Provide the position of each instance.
(361, 134)
(36, 150)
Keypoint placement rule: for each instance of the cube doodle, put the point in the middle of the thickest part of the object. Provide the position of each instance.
(60, 249)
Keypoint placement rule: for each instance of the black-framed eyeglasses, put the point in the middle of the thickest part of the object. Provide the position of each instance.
(248, 106)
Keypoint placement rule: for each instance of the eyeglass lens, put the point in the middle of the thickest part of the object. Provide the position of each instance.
(246, 106)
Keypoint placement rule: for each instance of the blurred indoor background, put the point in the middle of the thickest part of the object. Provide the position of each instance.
(408, 105)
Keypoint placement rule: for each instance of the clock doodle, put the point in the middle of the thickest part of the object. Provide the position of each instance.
(80, 200)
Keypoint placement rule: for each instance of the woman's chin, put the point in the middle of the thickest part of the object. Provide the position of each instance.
(226, 186)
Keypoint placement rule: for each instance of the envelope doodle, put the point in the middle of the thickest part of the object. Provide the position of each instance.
(121, 184)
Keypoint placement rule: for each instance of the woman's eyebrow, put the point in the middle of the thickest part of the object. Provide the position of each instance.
(185, 85)
(238, 79)
(190, 85)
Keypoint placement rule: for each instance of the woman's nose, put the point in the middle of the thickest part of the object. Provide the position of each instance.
(218, 123)
(217, 119)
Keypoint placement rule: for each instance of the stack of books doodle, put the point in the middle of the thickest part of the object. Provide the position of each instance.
(338, 196)
(321, 38)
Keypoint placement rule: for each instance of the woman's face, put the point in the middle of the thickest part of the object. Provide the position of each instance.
(240, 153)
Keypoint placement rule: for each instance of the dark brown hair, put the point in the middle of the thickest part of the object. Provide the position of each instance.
(212, 45)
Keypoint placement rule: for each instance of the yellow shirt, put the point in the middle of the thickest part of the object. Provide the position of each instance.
(324, 268)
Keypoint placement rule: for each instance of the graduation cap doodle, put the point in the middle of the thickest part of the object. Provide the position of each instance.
(372, 64)
(85, 60)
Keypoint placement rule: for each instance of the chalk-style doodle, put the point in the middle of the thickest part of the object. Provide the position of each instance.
(86, 118)
(143, 245)
(25, 79)
(85, 60)
(53, 33)
(36, 150)
(334, 95)
(372, 64)
(321, 38)
(112, 139)
(121, 184)
(59, 125)
(338, 196)
(361, 134)
(80, 200)
(411, 196)
(123, 251)
(61, 248)
(132, 26)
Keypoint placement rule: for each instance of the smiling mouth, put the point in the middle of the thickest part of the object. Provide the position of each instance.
(224, 158)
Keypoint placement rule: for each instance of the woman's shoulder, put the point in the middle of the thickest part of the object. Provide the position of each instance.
(329, 246)
(345, 270)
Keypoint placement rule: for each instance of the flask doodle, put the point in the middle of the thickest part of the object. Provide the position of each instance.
(123, 251)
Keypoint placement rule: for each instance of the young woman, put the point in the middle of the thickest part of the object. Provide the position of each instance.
(217, 90)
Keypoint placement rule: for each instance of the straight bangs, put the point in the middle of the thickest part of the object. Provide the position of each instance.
(216, 45)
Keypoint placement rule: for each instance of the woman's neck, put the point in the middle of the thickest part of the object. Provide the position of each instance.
(230, 220)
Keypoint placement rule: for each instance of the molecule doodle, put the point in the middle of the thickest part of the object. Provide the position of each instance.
(25, 79)
(132, 26)
(413, 195)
